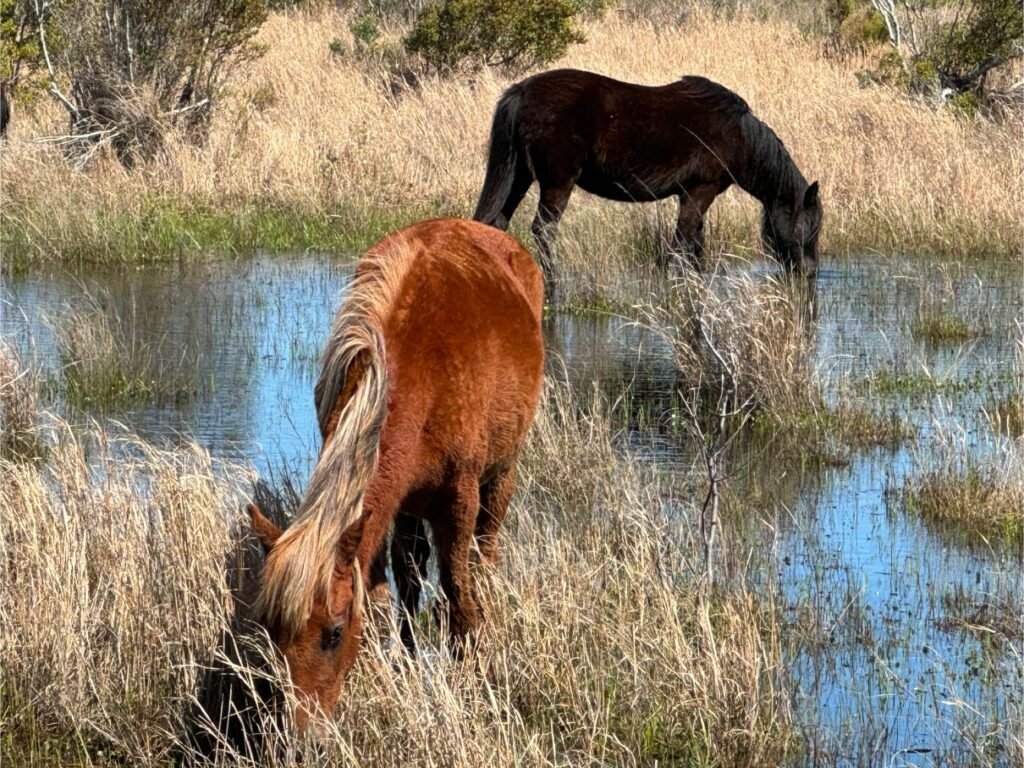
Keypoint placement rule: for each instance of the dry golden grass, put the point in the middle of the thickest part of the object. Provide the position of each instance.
(598, 648)
(112, 586)
(743, 344)
(321, 136)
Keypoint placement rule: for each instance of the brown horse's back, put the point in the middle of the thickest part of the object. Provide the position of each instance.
(464, 347)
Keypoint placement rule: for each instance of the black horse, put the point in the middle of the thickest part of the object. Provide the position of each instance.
(635, 143)
(5, 110)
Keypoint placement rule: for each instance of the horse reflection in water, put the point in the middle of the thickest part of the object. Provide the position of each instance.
(429, 382)
(634, 143)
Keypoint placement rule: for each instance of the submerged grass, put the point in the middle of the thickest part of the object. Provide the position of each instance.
(978, 490)
(598, 648)
(942, 329)
(918, 383)
(103, 363)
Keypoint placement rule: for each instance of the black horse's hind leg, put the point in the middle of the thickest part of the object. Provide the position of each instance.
(520, 186)
(410, 551)
(689, 237)
(553, 201)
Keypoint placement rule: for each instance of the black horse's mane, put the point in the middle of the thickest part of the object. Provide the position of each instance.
(772, 174)
(720, 97)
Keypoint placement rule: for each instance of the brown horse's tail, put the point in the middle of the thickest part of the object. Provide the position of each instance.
(351, 398)
(501, 162)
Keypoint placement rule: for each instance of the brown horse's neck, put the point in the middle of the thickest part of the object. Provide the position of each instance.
(769, 174)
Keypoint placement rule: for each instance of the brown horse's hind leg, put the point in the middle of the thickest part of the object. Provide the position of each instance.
(410, 551)
(553, 201)
(453, 535)
(494, 500)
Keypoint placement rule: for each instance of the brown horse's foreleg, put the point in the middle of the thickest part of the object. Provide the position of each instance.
(410, 551)
(453, 535)
(495, 497)
(689, 236)
(553, 201)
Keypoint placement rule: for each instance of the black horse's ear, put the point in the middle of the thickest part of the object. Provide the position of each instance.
(811, 196)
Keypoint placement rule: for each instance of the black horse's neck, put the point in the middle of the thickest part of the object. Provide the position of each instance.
(770, 174)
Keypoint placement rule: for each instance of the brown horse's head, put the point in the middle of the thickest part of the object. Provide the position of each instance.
(790, 230)
(321, 648)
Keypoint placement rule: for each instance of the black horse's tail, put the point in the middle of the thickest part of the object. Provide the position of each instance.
(501, 161)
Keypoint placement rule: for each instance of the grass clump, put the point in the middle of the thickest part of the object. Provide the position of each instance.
(745, 344)
(942, 329)
(103, 364)
(20, 436)
(976, 498)
(979, 494)
(916, 383)
(1007, 416)
(111, 588)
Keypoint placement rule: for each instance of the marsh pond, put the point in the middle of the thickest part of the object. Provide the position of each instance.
(902, 635)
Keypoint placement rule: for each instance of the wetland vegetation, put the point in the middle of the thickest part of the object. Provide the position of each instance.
(747, 530)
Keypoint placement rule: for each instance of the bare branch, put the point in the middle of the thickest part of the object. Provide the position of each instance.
(40, 9)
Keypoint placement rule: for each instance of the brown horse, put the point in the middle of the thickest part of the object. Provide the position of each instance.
(429, 382)
(692, 138)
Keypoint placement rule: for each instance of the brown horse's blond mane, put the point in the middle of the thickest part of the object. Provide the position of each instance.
(300, 564)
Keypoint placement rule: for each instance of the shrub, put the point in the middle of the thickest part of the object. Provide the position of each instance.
(955, 51)
(862, 28)
(513, 35)
(127, 69)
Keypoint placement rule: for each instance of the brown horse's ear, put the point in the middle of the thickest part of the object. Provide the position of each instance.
(264, 529)
(811, 196)
(349, 541)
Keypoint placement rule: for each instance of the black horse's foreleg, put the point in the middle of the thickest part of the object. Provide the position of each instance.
(410, 551)
(553, 201)
(688, 242)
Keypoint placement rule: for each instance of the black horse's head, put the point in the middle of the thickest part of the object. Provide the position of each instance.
(790, 230)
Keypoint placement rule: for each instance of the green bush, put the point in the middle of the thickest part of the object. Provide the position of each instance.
(365, 30)
(514, 35)
(985, 35)
(126, 70)
(862, 27)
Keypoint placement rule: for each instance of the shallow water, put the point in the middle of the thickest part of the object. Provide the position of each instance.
(879, 677)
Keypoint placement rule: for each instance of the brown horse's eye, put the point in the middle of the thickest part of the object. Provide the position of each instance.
(331, 638)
